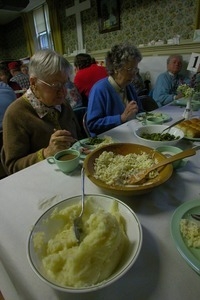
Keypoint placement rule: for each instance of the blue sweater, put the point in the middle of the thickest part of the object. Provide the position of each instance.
(105, 106)
(7, 96)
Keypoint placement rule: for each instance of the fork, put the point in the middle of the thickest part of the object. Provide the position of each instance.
(78, 229)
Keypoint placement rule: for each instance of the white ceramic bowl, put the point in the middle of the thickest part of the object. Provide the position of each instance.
(133, 231)
(150, 129)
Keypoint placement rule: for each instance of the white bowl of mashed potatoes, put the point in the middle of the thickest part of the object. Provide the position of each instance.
(110, 244)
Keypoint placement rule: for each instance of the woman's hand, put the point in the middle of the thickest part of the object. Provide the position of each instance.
(130, 110)
(60, 140)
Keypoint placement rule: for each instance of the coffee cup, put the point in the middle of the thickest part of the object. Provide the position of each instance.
(66, 160)
(151, 120)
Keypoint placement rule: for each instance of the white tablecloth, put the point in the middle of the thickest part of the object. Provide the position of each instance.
(160, 272)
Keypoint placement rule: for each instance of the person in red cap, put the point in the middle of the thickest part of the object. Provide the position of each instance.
(17, 75)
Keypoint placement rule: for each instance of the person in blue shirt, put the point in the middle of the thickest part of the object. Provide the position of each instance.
(165, 88)
(113, 100)
(7, 96)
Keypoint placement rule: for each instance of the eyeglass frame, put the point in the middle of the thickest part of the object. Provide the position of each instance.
(135, 70)
(53, 85)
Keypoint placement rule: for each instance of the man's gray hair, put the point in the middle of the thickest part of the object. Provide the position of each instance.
(174, 56)
(45, 63)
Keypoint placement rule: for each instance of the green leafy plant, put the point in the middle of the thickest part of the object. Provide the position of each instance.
(186, 90)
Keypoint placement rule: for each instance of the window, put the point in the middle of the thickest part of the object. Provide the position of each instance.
(42, 27)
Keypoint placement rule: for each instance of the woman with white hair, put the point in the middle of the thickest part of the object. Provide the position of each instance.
(113, 100)
(40, 123)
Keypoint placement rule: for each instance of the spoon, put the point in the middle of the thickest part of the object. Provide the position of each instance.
(143, 176)
(172, 125)
(78, 221)
(196, 216)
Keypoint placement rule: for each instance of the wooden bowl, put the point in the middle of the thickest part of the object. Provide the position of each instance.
(124, 149)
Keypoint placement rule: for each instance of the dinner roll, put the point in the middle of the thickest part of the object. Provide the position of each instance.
(191, 128)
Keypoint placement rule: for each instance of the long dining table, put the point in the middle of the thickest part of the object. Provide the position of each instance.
(160, 272)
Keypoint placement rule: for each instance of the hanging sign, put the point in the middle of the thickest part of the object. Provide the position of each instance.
(194, 62)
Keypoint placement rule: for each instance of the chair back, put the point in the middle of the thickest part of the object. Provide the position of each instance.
(148, 103)
(79, 113)
(1, 139)
(85, 125)
(2, 171)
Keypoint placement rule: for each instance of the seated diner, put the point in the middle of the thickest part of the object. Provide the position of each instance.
(165, 88)
(113, 100)
(47, 124)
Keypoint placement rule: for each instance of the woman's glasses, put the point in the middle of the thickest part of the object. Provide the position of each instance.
(131, 70)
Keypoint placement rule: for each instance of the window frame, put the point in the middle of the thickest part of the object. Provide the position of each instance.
(46, 32)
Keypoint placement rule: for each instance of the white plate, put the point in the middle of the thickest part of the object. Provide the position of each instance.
(183, 102)
(191, 255)
(192, 139)
(78, 147)
(142, 115)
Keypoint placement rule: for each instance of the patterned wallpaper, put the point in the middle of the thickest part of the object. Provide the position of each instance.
(141, 22)
(14, 46)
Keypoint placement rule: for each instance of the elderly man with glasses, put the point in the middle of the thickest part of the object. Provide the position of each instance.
(40, 123)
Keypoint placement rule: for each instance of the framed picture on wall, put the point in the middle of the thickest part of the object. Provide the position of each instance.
(108, 15)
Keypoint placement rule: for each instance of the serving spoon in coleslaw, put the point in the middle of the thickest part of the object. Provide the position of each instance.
(143, 176)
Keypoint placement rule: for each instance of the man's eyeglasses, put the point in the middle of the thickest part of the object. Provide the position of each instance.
(132, 70)
(55, 86)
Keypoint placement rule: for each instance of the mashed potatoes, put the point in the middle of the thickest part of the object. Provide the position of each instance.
(103, 244)
(191, 232)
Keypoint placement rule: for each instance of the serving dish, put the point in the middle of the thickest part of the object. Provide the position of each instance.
(151, 129)
(50, 227)
(184, 211)
(142, 116)
(124, 149)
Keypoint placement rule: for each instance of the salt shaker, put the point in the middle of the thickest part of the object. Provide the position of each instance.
(188, 110)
